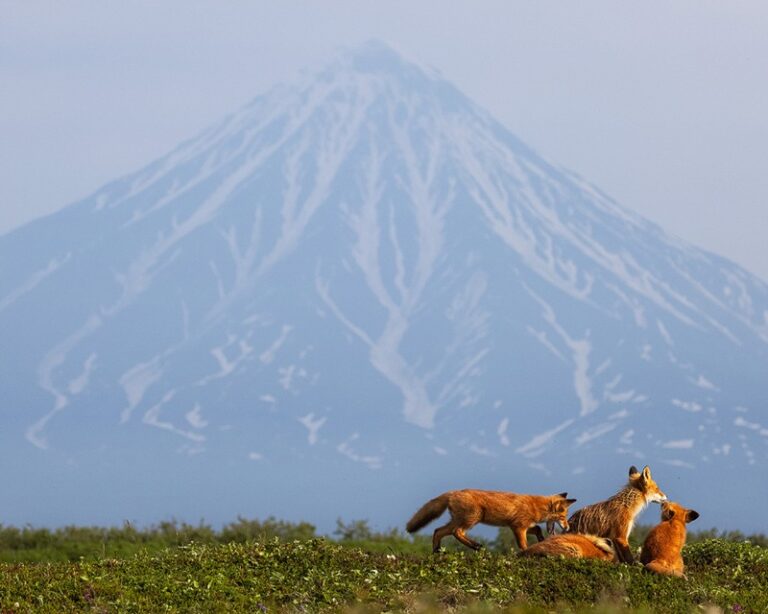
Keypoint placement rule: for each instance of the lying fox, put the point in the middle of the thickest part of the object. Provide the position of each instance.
(615, 517)
(662, 549)
(468, 507)
(574, 545)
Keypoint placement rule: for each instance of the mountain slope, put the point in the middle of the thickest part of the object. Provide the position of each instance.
(354, 276)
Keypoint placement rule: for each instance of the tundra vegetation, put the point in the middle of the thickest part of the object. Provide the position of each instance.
(278, 566)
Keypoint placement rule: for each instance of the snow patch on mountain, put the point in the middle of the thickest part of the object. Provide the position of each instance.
(313, 426)
(80, 383)
(678, 444)
(34, 280)
(135, 383)
(345, 448)
(538, 444)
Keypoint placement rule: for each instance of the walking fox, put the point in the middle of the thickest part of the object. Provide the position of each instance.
(574, 545)
(662, 549)
(468, 507)
(615, 517)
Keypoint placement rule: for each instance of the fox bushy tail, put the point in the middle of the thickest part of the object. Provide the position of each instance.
(427, 513)
(662, 568)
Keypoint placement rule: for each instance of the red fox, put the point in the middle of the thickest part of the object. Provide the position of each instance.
(468, 507)
(662, 548)
(615, 517)
(574, 545)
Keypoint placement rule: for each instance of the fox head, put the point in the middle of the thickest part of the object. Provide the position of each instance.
(557, 512)
(671, 510)
(642, 481)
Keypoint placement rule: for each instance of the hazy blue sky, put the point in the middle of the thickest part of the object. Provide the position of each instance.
(662, 104)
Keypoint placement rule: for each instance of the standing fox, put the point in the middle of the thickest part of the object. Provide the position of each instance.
(574, 545)
(468, 507)
(615, 517)
(662, 549)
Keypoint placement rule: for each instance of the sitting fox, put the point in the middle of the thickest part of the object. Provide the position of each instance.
(574, 545)
(468, 507)
(662, 549)
(615, 517)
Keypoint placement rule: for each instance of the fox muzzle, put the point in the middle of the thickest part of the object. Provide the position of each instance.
(552, 523)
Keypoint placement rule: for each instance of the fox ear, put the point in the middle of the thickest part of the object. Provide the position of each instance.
(646, 473)
(563, 495)
(691, 515)
(633, 470)
(561, 505)
(667, 513)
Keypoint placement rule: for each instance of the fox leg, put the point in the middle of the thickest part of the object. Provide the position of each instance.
(459, 534)
(536, 530)
(520, 537)
(438, 535)
(623, 550)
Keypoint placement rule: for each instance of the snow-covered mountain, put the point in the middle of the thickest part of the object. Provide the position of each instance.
(354, 293)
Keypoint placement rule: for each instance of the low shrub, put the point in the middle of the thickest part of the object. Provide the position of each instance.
(321, 575)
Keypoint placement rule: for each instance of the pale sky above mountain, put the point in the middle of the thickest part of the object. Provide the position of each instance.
(660, 104)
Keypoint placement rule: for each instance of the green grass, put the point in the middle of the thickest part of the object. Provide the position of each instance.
(321, 575)
(72, 543)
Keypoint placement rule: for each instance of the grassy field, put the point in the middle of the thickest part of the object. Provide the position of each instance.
(316, 574)
(72, 543)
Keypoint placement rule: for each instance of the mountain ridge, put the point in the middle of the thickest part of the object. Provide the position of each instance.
(367, 270)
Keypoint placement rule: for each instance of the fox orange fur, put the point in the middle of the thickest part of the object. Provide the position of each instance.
(662, 549)
(615, 517)
(574, 545)
(468, 507)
